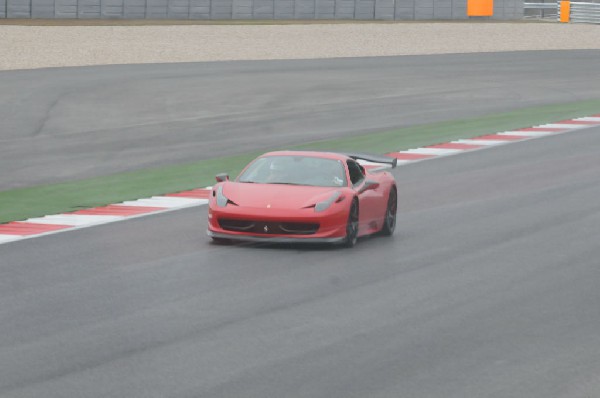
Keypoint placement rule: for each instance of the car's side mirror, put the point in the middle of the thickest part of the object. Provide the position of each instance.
(222, 177)
(369, 184)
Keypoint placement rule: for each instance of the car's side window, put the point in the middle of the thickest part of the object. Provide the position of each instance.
(356, 174)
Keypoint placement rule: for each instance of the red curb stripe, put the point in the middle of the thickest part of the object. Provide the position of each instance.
(455, 145)
(549, 129)
(194, 193)
(409, 156)
(500, 137)
(584, 122)
(29, 228)
(116, 210)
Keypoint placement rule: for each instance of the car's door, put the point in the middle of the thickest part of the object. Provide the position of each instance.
(369, 216)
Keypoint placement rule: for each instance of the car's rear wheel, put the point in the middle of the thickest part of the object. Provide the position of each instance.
(389, 223)
(352, 226)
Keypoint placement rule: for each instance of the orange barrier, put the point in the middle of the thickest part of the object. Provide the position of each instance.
(480, 8)
(565, 11)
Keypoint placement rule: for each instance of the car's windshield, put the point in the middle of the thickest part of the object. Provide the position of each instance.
(295, 170)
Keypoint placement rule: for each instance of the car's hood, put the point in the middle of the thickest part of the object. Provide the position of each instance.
(276, 196)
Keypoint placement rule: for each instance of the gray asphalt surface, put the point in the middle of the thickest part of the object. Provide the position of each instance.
(69, 123)
(488, 289)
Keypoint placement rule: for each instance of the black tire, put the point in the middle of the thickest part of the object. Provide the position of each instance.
(352, 226)
(389, 223)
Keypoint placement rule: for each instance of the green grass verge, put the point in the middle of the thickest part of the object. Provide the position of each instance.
(19, 204)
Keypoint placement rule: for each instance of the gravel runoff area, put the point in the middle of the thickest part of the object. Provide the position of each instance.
(29, 46)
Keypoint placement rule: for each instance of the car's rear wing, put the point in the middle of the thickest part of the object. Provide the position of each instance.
(373, 158)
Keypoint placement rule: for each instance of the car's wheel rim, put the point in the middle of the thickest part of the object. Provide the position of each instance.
(391, 211)
(352, 228)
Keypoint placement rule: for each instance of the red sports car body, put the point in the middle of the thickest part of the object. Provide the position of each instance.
(302, 196)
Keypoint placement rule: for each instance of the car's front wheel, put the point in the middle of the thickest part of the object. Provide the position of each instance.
(352, 226)
(389, 223)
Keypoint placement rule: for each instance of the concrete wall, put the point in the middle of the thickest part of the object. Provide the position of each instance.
(253, 9)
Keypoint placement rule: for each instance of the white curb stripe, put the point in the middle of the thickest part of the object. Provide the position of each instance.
(528, 133)
(562, 126)
(167, 202)
(9, 238)
(367, 163)
(434, 151)
(74, 219)
(481, 142)
(400, 162)
(588, 119)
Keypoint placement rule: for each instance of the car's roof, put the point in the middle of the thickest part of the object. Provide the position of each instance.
(314, 154)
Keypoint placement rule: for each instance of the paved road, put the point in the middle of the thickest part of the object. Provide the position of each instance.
(489, 289)
(67, 123)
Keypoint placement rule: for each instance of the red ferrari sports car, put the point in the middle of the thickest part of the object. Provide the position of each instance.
(295, 196)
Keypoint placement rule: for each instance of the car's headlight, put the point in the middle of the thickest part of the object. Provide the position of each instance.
(326, 204)
(222, 200)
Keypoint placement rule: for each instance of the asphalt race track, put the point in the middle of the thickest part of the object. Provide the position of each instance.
(108, 119)
(488, 289)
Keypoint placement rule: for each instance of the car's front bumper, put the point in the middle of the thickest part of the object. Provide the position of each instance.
(331, 224)
(272, 239)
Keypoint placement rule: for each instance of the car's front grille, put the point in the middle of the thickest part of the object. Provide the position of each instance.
(269, 227)
(237, 225)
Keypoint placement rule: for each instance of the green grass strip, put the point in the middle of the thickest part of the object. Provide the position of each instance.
(20, 204)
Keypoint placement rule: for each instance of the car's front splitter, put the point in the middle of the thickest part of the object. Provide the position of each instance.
(272, 239)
